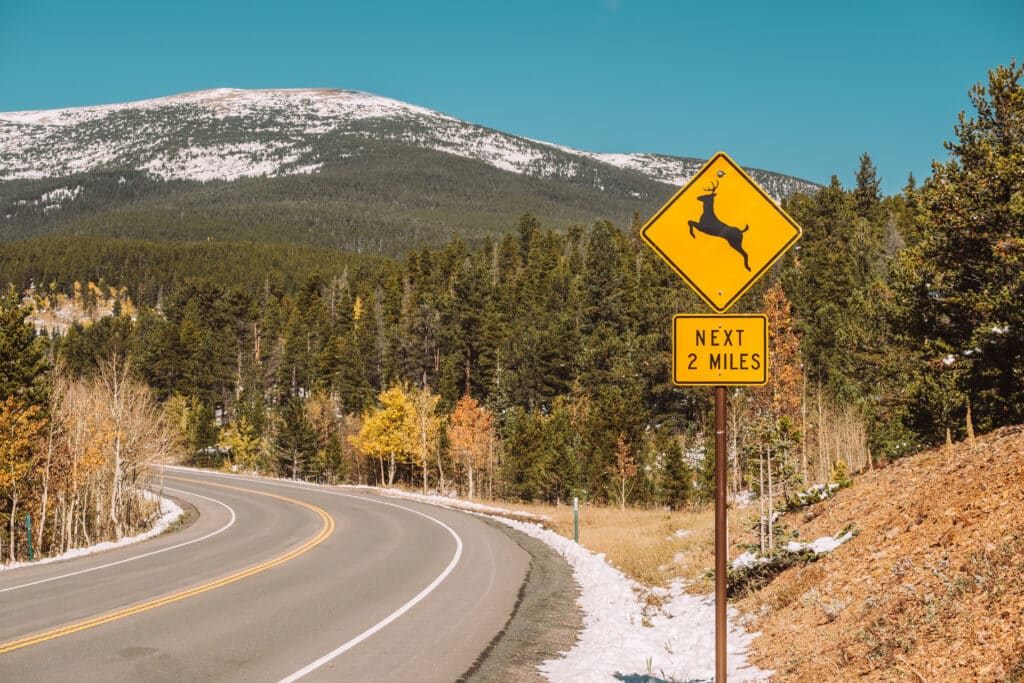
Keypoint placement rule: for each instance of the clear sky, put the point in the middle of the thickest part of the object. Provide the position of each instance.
(798, 87)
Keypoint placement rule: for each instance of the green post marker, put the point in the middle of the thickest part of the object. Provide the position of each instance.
(576, 519)
(28, 532)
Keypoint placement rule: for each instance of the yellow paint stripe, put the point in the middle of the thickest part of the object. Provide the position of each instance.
(325, 531)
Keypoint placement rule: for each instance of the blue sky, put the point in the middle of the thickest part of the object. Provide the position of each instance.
(799, 87)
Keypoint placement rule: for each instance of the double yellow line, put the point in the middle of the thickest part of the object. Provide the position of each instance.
(325, 531)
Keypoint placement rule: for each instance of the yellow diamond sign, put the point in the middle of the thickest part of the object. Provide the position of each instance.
(721, 232)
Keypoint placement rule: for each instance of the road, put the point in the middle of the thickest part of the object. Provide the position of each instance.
(273, 581)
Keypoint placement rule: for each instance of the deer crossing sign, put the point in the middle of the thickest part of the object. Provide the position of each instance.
(721, 232)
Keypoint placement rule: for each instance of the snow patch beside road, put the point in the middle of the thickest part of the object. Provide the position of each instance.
(621, 635)
(170, 512)
(448, 502)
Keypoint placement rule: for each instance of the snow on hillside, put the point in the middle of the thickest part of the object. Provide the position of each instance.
(228, 134)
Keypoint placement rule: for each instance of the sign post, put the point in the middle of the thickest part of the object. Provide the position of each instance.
(28, 535)
(721, 534)
(576, 519)
(720, 233)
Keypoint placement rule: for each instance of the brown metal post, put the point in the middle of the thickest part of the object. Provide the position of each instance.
(721, 549)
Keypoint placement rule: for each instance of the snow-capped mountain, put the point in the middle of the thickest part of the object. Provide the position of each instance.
(227, 134)
(330, 168)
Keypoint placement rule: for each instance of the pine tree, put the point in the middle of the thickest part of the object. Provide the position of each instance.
(965, 280)
(22, 355)
(294, 443)
(676, 488)
(201, 433)
(867, 195)
(839, 255)
(526, 227)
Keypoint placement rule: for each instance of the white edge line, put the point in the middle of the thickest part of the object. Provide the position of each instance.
(313, 666)
(138, 557)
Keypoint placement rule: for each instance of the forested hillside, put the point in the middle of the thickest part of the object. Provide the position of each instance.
(386, 200)
(332, 168)
(536, 365)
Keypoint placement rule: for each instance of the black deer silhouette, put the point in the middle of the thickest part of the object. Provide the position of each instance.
(710, 225)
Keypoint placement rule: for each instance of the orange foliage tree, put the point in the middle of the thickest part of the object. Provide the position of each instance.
(473, 439)
(777, 407)
(21, 428)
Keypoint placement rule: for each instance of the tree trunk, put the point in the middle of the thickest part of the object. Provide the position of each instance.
(391, 470)
(771, 504)
(380, 459)
(256, 344)
(117, 399)
(470, 468)
(760, 497)
(823, 472)
(43, 503)
(423, 447)
(970, 425)
(734, 451)
(490, 470)
(803, 428)
(440, 467)
(14, 523)
(115, 490)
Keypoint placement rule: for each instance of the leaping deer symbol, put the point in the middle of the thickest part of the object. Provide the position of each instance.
(710, 225)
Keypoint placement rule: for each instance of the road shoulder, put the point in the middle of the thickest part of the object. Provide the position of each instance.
(544, 624)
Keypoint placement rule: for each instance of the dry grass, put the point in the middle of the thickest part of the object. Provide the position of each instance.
(932, 588)
(643, 543)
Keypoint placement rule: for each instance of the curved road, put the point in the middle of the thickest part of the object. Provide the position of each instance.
(274, 581)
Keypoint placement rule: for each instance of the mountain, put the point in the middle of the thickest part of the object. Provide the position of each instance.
(333, 168)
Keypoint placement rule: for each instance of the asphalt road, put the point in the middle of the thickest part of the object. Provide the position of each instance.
(273, 581)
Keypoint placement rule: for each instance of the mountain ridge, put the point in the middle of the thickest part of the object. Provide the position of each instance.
(327, 109)
(336, 168)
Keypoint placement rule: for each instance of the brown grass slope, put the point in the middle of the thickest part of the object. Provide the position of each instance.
(931, 590)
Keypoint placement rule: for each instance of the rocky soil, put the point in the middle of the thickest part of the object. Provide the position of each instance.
(932, 588)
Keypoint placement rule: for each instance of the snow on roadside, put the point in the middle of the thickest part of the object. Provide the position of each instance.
(448, 502)
(676, 643)
(170, 512)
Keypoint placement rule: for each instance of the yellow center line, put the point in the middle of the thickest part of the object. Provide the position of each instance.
(325, 531)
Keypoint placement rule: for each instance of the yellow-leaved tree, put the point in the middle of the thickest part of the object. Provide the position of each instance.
(428, 426)
(389, 430)
(21, 430)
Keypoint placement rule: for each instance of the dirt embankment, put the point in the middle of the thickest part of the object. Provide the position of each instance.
(932, 589)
